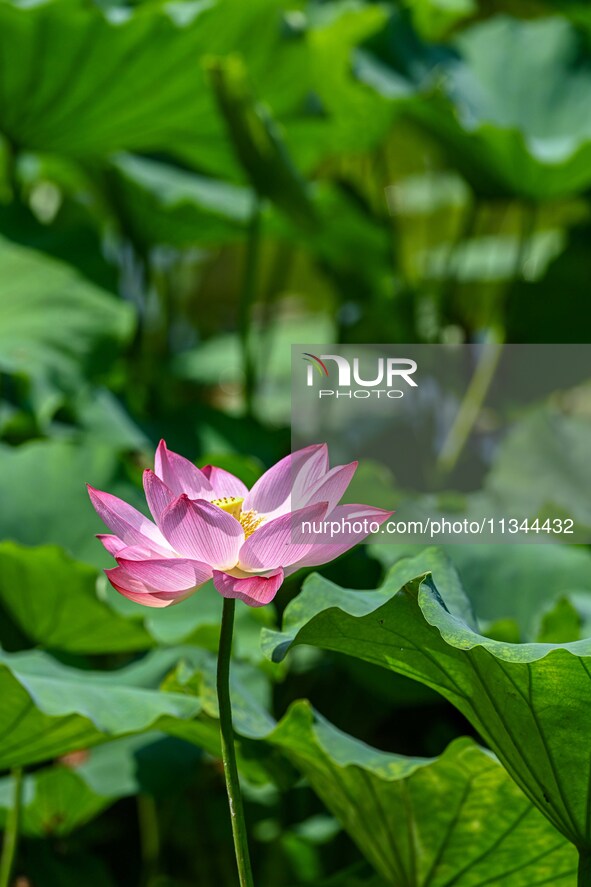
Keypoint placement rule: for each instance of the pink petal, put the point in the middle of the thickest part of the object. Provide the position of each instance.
(137, 591)
(329, 488)
(129, 524)
(113, 544)
(281, 541)
(180, 475)
(138, 553)
(309, 465)
(256, 591)
(325, 551)
(169, 574)
(203, 532)
(272, 492)
(224, 484)
(158, 495)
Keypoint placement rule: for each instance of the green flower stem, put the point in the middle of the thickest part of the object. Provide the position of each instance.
(11, 830)
(472, 403)
(228, 749)
(584, 878)
(247, 298)
(149, 837)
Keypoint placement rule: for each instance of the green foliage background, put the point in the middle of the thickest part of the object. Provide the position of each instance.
(185, 190)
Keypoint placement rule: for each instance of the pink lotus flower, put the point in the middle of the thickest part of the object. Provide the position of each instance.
(207, 524)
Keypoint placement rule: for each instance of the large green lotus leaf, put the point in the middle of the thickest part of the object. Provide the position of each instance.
(530, 132)
(190, 673)
(397, 690)
(490, 574)
(527, 134)
(159, 103)
(49, 709)
(309, 603)
(44, 482)
(530, 702)
(456, 819)
(140, 83)
(56, 327)
(61, 798)
(55, 603)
